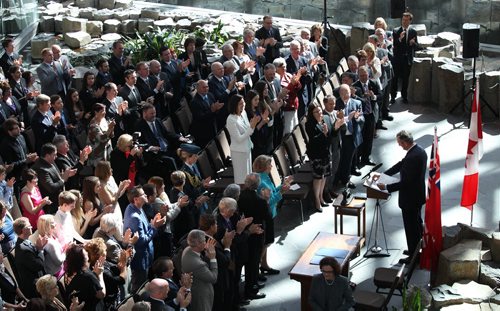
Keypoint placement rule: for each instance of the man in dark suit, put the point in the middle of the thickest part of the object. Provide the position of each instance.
(176, 72)
(370, 91)
(222, 91)
(411, 187)
(50, 180)
(9, 57)
(405, 44)
(269, 38)
(204, 108)
(162, 143)
(21, 92)
(157, 292)
(118, 63)
(67, 159)
(130, 93)
(161, 87)
(43, 122)
(103, 76)
(352, 137)
(29, 257)
(276, 94)
(335, 126)
(251, 204)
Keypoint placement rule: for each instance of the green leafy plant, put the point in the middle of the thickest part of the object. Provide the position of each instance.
(217, 36)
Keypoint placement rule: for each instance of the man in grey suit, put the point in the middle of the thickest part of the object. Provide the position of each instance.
(204, 274)
(335, 126)
(52, 75)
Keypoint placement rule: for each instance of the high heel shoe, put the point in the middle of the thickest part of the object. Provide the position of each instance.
(269, 271)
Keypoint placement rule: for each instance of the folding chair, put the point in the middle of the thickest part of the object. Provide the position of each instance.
(224, 149)
(284, 166)
(343, 64)
(334, 81)
(218, 164)
(206, 170)
(371, 301)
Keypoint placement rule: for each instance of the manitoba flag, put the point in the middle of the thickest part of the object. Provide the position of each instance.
(474, 154)
(432, 239)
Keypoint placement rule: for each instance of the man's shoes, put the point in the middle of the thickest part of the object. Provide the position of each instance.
(257, 295)
(269, 271)
(405, 100)
(406, 252)
(324, 204)
(244, 302)
(404, 260)
(369, 162)
(327, 198)
(333, 194)
(356, 173)
(380, 126)
(393, 101)
(388, 118)
(258, 286)
(319, 210)
(351, 185)
(261, 277)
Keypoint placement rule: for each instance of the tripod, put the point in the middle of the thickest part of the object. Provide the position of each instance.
(376, 250)
(472, 90)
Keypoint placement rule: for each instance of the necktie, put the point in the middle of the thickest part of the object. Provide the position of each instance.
(349, 122)
(163, 145)
(207, 102)
(196, 171)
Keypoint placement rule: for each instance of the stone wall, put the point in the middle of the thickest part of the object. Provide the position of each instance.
(437, 15)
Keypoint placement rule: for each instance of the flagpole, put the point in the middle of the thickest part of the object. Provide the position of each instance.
(471, 214)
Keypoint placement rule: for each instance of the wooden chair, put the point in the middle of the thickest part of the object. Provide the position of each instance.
(383, 277)
(219, 184)
(296, 195)
(371, 301)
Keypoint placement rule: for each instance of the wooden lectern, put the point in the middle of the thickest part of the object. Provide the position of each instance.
(373, 192)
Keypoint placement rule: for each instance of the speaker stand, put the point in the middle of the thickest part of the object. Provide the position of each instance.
(472, 91)
(375, 249)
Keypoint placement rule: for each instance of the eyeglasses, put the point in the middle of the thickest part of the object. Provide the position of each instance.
(327, 271)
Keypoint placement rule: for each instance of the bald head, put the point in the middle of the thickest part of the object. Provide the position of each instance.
(345, 92)
(158, 289)
(217, 69)
(154, 67)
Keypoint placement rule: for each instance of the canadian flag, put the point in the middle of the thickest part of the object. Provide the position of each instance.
(474, 154)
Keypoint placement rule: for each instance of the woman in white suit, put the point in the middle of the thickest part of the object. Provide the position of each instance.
(240, 130)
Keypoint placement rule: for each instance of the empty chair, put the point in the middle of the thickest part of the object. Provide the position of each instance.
(302, 125)
(294, 156)
(339, 71)
(283, 164)
(206, 170)
(384, 276)
(224, 149)
(218, 163)
(169, 125)
(334, 81)
(374, 301)
(343, 64)
(182, 115)
(327, 89)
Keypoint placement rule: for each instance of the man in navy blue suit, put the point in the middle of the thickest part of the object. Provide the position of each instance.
(411, 187)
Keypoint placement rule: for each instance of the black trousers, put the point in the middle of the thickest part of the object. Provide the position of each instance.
(412, 220)
(365, 150)
(255, 245)
(346, 155)
(401, 71)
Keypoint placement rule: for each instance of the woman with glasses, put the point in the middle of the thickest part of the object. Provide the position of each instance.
(330, 290)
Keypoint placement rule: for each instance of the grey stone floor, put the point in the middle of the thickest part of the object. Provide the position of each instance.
(292, 238)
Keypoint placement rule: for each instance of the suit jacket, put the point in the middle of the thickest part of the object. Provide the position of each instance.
(7, 61)
(204, 127)
(272, 52)
(317, 147)
(70, 161)
(50, 182)
(403, 51)
(149, 138)
(239, 247)
(336, 297)
(43, 129)
(14, 151)
(29, 265)
(411, 184)
(52, 78)
(102, 78)
(13, 112)
(253, 205)
(204, 276)
(368, 103)
(116, 69)
(145, 88)
(240, 132)
(334, 134)
(161, 97)
(355, 125)
(112, 113)
(305, 80)
(274, 87)
(218, 89)
(133, 99)
(135, 219)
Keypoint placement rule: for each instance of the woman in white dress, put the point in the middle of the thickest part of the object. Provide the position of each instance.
(240, 130)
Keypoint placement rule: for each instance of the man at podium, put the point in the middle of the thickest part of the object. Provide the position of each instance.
(411, 187)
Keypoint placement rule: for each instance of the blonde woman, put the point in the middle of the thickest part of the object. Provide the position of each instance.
(81, 220)
(54, 252)
(373, 63)
(47, 287)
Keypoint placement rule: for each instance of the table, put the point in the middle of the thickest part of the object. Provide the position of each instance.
(355, 208)
(303, 271)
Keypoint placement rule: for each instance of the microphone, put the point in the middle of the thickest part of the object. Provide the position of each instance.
(375, 168)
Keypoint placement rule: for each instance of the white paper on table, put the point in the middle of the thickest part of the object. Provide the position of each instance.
(383, 179)
(294, 187)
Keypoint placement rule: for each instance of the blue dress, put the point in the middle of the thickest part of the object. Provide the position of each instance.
(267, 183)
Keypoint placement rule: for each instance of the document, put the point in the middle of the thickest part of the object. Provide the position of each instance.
(383, 179)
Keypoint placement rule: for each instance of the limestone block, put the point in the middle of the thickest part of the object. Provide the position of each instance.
(58, 24)
(77, 39)
(103, 15)
(449, 53)
(144, 25)
(490, 274)
(446, 38)
(311, 13)
(73, 24)
(464, 291)
(164, 23)
(478, 12)
(459, 262)
(121, 15)
(134, 14)
(55, 6)
(436, 63)
(495, 241)
(150, 13)
(426, 41)
(106, 4)
(111, 26)
(123, 4)
(486, 255)
(40, 42)
(47, 24)
(94, 28)
(276, 10)
(111, 37)
(359, 35)
(128, 27)
(495, 10)
(420, 28)
(489, 83)
(87, 13)
(85, 3)
(11, 24)
(183, 24)
(420, 81)
(451, 86)
(474, 233)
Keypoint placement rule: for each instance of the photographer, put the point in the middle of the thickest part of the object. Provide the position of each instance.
(161, 144)
(127, 161)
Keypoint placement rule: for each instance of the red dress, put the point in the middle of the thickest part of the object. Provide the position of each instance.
(36, 198)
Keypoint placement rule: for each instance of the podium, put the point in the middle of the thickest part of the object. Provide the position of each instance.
(376, 249)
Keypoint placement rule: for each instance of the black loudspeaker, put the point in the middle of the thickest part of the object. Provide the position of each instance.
(471, 40)
(397, 8)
